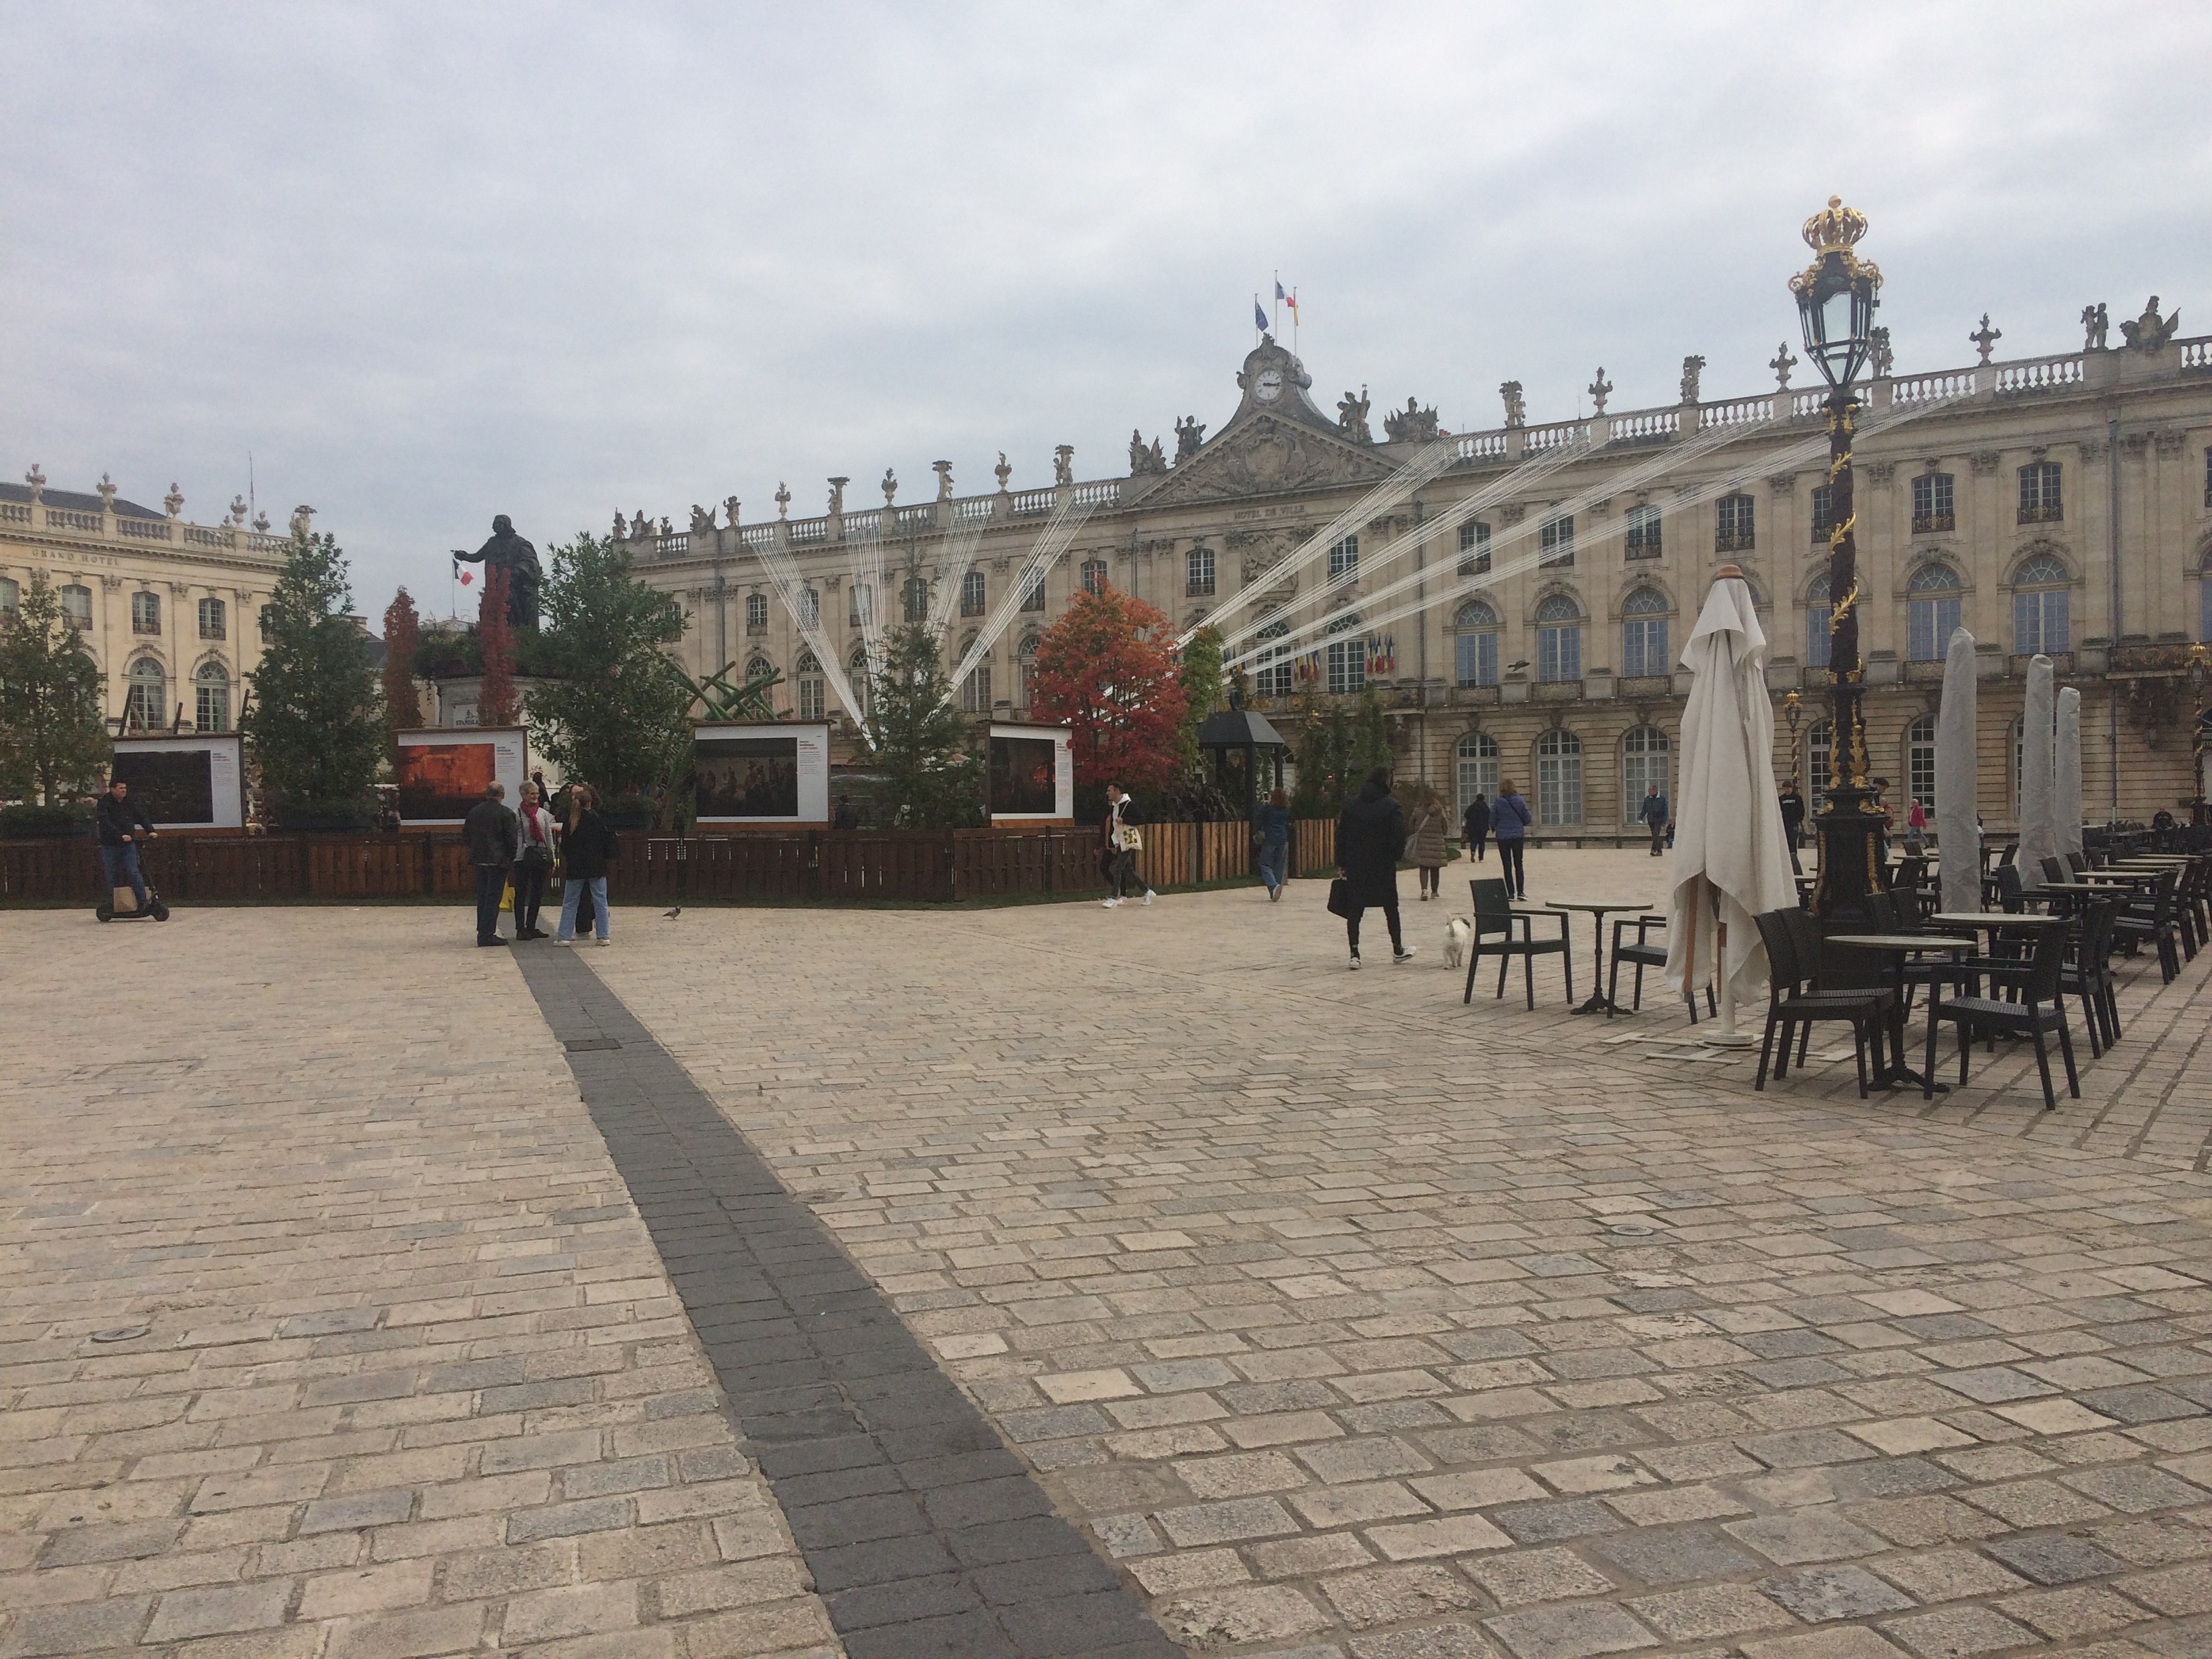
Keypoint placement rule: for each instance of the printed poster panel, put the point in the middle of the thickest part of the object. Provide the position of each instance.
(771, 774)
(185, 783)
(441, 773)
(1031, 772)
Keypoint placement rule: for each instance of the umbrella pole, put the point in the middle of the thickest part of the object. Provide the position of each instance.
(1726, 1036)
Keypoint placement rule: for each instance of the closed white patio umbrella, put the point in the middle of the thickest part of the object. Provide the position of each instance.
(1957, 778)
(2066, 796)
(2039, 781)
(1731, 859)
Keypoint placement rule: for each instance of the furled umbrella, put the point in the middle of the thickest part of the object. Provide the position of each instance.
(2038, 760)
(2066, 797)
(1958, 837)
(1731, 859)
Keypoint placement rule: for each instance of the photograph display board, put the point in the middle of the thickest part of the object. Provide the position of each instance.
(185, 783)
(774, 774)
(1032, 775)
(441, 773)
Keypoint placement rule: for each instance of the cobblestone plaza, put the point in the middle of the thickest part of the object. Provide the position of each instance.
(1047, 1280)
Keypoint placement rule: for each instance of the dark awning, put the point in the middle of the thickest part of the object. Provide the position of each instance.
(1238, 728)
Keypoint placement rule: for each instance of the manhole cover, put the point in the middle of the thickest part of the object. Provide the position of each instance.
(582, 1045)
(121, 1334)
(1631, 1230)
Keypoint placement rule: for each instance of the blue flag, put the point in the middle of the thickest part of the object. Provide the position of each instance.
(1259, 316)
(1280, 295)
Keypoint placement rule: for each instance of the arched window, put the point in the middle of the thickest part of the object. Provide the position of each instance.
(1817, 614)
(77, 607)
(1273, 672)
(1819, 756)
(1477, 765)
(1475, 651)
(1933, 608)
(971, 594)
(1198, 572)
(813, 696)
(215, 620)
(211, 698)
(146, 703)
(1094, 576)
(1643, 635)
(758, 667)
(1558, 777)
(1026, 657)
(756, 611)
(1920, 763)
(862, 609)
(145, 613)
(1645, 754)
(2042, 607)
(916, 599)
(1347, 657)
(1559, 640)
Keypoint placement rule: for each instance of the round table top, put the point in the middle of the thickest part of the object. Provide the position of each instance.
(1996, 919)
(1600, 906)
(1900, 941)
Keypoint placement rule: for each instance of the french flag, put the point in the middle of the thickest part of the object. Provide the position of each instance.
(465, 574)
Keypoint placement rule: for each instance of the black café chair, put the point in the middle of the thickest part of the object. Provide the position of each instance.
(2039, 1009)
(2087, 973)
(1791, 1005)
(1641, 953)
(2152, 920)
(1494, 921)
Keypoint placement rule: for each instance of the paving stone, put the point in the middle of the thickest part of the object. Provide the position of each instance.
(1818, 1594)
(1391, 1595)
(1522, 1576)
(1574, 1631)
(1956, 1633)
(1705, 1612)
(1816, 1534)
(2054, 1557)
(1674, 1556)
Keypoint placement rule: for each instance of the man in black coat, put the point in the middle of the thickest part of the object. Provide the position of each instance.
(1370, 838)
(492, 834)
(121, 824)
(1793, 818)
(1475, 825)
(1657, 815)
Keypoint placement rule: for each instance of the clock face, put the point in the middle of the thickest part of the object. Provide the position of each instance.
(1270, 385)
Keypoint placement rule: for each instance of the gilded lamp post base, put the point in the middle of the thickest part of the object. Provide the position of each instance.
(1850, 832)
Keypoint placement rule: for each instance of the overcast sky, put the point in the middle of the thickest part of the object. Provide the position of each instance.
(430, 264)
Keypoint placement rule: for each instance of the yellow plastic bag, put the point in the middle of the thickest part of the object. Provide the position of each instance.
(507, 898)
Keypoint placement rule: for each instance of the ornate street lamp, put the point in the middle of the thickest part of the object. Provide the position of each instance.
(1836, 300)
(2200, 728)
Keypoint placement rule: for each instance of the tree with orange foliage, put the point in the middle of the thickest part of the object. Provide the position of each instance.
(496, 703)
(1118, 690)
(403, 634)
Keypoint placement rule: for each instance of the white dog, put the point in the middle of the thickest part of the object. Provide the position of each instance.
(1459, 933)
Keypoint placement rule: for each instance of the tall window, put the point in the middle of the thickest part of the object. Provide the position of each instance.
(1272, 677)
(862, 609)
(1347, 656)
(916, 595)
(1645, 754)
(1559, 777)
(11, 599)
(1558, 639)
(2042, 618)
(1643, 635)
(1823, 513)
(1094, 576)
(864, 680)
(972, 594)
(1932, 504)
(77, 607)
(1026, 659)
(812, 698)
(1920, 763)
(2204, 604)
(756, 611)
(215, 620)
(1477, 764)
(1198, 572)
(146, 703)
(810, 607)
(1933, 607)
(1344, 557)
(1473, 549)
(975, 689)
(211, 698)
(1818, 613)
(1819, 756)
(1644, 533)
(1033, 592)
(2040, 502)
(1555, 541)
(145, 613)
(1475, 650)
(1734, 522)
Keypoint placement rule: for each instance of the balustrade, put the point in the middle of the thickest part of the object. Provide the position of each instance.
(1643, 426)
(1921, 388)
(140, 530)
(2040, 373)
(1034, 501)
(1736, 411)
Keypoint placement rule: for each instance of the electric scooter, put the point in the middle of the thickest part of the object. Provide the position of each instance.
(122, 904)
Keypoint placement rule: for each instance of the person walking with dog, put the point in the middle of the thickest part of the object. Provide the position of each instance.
(1426, 832)
(1272, 827)
(1475, 825)
(1370, 839)
(491, 832)
(533, 860)
(1656, 814)
(119, 822)
(1510, 818)
(1123, 841)
(586, 849)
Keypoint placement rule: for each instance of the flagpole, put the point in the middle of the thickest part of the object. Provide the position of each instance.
(1294, 322)
(1279, 304)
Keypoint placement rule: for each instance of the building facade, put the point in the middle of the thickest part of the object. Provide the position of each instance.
(1520, 597)
(170, 611)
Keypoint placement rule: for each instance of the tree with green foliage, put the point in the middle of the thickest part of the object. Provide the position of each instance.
(615, 712)
(52, 739)
(1201, 671)
(916, 737)
(314, 719)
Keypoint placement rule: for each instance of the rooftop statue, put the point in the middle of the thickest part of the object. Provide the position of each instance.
(1352, 417)
(508, 551)
(1190, 434)
(2147, 332)
(1692, 367)
(1412, 424)
(2096, 327)
(1516, 409)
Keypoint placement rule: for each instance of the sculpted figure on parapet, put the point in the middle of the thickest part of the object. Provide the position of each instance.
(1352, 417)
(1190, 434)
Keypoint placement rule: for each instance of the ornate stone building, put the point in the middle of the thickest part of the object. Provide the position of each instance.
(170, 611)
(1520, 597)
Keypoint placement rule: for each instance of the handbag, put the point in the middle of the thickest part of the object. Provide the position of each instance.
(1340, 898)
(1133, 839)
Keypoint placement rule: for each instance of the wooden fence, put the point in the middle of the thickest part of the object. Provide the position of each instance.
(826, 867)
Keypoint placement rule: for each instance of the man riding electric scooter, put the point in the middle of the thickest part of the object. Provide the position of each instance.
(121, 822)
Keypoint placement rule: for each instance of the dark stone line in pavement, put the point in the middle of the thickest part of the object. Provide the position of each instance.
(925, 1535)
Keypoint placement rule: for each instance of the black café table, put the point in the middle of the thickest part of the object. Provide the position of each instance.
(1598, 999)
(1897, 947)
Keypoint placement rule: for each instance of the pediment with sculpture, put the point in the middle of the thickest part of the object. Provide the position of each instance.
(1266, 455)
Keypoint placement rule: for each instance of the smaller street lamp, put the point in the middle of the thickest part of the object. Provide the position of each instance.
(2200, 728)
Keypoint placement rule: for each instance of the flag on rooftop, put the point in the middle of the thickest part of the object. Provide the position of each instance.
(1259, 315)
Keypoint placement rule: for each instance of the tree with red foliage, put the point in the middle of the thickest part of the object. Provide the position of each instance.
(496, 703)
(403, 634)
(1119, 690)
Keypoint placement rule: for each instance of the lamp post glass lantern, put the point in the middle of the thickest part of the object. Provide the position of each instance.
(1836, 295)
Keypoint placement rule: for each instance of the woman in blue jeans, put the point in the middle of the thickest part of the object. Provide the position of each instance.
(587, 850)
(1510, 818)
(1273, 827)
